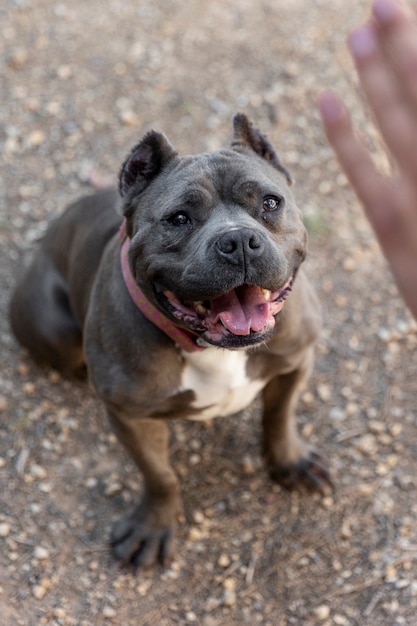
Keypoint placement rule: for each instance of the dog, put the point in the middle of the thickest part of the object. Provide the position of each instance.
(183, 294)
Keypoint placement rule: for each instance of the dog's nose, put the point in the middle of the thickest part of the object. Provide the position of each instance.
(240, 246)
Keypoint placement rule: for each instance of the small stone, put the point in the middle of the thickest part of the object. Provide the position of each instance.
(292, 69)
(224, 560)
(385, 335)
(382, 469)
(23, 369)
(337, 414)
(196, 534)
(367, 445)
(18, 58)
(211, 604)
(365, 489)
(352, 408)
(4, 529)
(395, 429)
(341, 301)
(38, 592)
(143, 587)
(109, 612)
(199, 517)
(229, 597)
(402, 583)
(308, 397)
(325, 188)
(324, 392)
(129, 118)
(191, 616)
(307, 430)
(32, 104)
(346, 531)
(342, 180)
(385, 439)
(29, 388)
(392, 460)
(393, 606)
(37, 471)
(322, 612)
(41, 553)
(112, 439)
(376, 427)
(248, 466)
(64, 72)
(11, 145)
(45, 487)
(391, 575)
(229, 583)
(36, 138)
(397, 411)
(113, 488)
(327, 502)
(350, 264)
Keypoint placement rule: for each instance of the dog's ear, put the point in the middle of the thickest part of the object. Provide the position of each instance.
(145, 162)
(244, 134)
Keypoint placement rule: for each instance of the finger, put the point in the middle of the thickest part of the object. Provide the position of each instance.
(400, 242)
(388, 11)
(396, 29)
(351, 152)
(395, 119)
(389, 204)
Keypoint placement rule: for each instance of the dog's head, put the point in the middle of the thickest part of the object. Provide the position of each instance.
(216, 238)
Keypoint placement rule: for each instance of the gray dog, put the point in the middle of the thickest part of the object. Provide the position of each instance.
(188, 306)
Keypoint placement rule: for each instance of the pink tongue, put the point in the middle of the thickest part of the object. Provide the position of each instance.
(241, 310)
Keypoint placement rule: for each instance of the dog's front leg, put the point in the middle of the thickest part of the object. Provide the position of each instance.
(289, 460)
(147, 535)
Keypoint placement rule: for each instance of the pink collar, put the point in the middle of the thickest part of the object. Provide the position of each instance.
(186, 341)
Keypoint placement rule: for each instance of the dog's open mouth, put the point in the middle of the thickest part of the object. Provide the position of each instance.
(242, 311)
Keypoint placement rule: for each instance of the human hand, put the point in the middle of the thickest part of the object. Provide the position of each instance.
(385, 54)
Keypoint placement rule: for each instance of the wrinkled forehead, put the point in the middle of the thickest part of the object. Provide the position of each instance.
(225, 173)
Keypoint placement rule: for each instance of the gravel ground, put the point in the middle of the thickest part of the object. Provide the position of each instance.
(80, 83)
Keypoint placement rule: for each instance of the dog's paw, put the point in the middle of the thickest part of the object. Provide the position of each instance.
(138, 543)
(309, 474)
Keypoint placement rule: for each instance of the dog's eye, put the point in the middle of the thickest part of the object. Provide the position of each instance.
(179, 219)
(272, 203)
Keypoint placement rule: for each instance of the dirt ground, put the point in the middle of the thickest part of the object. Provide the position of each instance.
(80, 84)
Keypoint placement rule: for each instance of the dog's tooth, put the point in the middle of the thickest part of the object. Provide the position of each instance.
(266, 294)
(200, 308)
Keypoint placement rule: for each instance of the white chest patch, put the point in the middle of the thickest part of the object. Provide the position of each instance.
(219, 380)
